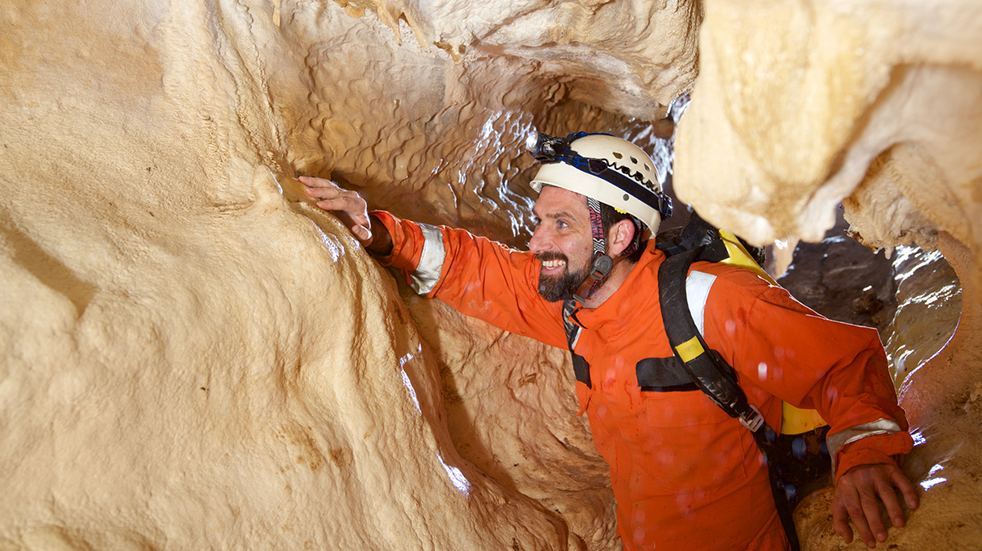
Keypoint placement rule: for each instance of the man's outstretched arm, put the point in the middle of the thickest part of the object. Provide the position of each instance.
(854, 393)
(352, 210)
(474, 275)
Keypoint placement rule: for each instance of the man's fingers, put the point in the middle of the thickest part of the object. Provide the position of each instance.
(330, 197)
(890, 501)
(323, 189)
(362, 233)
(871, 513)
(312, 182)
(336, 203)
(840, 519)
(859, 493)
(325, 192)
(347, 205)
(347, 202)
(901, 481)
(850, 504)
(858, 515)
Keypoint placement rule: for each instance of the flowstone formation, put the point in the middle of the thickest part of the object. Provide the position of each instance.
(193, 357)
(877, 106)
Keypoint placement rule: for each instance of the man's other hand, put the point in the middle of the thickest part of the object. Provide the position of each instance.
(858, 495)
(347, 205)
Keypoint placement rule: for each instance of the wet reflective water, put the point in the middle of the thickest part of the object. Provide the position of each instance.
(933, 479)
(456, 476)
(929, 303)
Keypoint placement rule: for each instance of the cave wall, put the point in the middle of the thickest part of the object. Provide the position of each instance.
(194, 357)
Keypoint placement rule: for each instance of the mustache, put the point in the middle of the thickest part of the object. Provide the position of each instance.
(552, 255)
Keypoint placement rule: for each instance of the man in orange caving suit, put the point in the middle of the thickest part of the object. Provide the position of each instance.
(685, 474)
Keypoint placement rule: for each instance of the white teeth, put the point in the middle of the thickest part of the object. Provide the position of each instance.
(551, 264)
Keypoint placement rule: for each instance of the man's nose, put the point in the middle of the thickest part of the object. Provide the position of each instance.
(541, 241)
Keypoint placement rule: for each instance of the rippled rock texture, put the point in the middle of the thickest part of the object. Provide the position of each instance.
(193, 357)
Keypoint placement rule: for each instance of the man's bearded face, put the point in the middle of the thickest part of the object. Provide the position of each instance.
(562, 241)
(560, 287)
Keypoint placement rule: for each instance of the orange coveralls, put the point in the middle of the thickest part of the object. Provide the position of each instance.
(685, 475)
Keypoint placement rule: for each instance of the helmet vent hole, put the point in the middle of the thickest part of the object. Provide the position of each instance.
(626, 197)
(646, 167)
(618, 155)
(633, 160)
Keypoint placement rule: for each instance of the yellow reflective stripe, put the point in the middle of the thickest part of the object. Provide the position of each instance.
(690, 349)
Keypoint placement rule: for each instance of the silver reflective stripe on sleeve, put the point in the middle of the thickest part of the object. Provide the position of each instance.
(697, 287)
(835, 442)
(427, 274)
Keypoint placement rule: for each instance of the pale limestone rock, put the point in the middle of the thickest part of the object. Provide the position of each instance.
(628, 56)
(193, 357)
(511, 411)
(401, 157)
(794, 102)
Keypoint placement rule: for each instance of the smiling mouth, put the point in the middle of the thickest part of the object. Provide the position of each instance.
(553, 264)
(552, 261)
(556, 283)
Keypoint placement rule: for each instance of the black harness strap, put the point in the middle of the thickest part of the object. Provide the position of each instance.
(581, 369)
(663, 375)
(712, 374)
(698, 360)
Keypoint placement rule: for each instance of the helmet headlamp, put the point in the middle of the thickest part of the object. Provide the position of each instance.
(548, 149)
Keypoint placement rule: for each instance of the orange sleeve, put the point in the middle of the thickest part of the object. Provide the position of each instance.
(871, 450)
(479, 278)
(781, 348)
(407, 243)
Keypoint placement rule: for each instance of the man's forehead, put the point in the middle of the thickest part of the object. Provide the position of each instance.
(552, 198)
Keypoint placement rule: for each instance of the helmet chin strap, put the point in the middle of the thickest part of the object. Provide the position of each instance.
(601, 262)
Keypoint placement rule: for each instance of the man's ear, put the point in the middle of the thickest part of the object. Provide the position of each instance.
(620, 236)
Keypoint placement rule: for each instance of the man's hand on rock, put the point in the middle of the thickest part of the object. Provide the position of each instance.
(858, 495)
(347, 205)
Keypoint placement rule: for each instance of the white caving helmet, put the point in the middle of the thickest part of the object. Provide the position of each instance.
(609, 169)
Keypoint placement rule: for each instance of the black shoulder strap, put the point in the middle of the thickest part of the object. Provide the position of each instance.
(711, 373)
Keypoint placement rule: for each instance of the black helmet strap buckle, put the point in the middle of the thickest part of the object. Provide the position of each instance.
(598, 271)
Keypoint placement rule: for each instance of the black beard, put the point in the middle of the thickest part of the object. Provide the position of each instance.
(562, 287)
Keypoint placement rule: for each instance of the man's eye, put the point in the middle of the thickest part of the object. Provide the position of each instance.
(561, 224)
